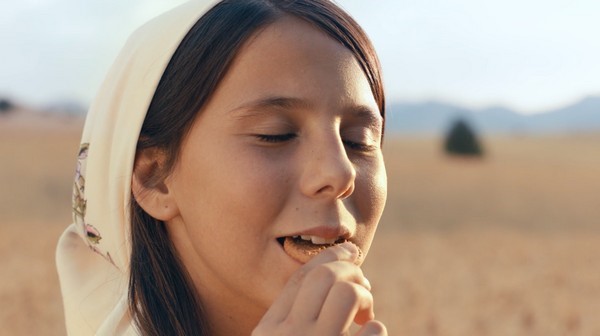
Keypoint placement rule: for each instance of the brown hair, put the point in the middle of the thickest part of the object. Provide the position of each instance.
(162, 297)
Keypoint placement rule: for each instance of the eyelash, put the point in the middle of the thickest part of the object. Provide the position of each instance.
(277, 138)
(357, 146)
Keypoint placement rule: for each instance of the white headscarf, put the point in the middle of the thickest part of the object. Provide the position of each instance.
(93, 253)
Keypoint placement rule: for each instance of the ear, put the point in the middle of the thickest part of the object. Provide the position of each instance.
(149, 187)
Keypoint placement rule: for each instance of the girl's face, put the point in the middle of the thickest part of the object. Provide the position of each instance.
(288, 145)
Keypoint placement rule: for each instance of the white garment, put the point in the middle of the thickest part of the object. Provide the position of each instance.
(93, 253)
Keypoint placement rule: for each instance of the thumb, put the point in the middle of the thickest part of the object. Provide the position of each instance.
(372, 328)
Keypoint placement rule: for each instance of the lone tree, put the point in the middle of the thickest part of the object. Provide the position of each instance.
(461, 140)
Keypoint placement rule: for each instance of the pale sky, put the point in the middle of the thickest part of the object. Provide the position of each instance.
(529, 55)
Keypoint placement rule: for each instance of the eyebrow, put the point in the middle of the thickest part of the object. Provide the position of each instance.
(367, 115)
(279, 103)
(259, 106)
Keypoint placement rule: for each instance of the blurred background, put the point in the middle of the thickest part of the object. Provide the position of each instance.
(492, 146)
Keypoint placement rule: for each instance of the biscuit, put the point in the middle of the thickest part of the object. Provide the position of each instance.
(303, 251)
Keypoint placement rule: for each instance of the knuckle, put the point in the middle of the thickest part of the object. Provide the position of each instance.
(348, 290)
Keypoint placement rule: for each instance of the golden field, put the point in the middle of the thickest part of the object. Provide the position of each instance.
(507, 245)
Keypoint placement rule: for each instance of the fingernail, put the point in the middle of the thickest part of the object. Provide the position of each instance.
(350, 248)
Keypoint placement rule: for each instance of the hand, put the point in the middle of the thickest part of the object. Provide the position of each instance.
(323, 298)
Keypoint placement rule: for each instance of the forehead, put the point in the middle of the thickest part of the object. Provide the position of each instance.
(291, 57)
(295, 34)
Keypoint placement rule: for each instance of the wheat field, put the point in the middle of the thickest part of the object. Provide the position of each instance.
(507, 245)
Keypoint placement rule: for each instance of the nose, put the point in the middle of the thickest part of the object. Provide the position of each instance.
(327, 171)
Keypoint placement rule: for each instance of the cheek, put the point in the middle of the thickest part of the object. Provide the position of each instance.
(373, 189)
(380, 185)
(260, 186)
(370, 198)
(234, 192)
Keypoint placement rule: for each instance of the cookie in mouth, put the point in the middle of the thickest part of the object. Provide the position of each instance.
(304, 248)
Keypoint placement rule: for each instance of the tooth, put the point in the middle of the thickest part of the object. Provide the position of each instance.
(306, 237)
(321, 240)
(295, 237)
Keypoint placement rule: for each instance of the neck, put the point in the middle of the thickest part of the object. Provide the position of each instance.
(228, 316)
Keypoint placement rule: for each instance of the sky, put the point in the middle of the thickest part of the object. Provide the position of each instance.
(529, 55)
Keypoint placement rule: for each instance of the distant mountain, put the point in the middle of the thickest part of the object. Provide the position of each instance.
(433, 117)
(581, 116)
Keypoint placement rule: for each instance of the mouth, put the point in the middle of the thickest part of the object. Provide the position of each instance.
(304, 248)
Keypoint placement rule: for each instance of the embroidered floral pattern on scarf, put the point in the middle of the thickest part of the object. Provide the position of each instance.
(91, 234)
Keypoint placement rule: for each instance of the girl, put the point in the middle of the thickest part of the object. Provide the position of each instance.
(230, 177)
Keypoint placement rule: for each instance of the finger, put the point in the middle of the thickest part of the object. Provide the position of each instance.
(280, 309)
(317, 284)
(372, 328)
(346, 302)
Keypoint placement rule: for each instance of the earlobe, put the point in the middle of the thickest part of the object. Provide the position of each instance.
(149, 186)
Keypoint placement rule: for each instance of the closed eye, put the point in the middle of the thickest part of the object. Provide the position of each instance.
(360, 147)
(275, 138)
